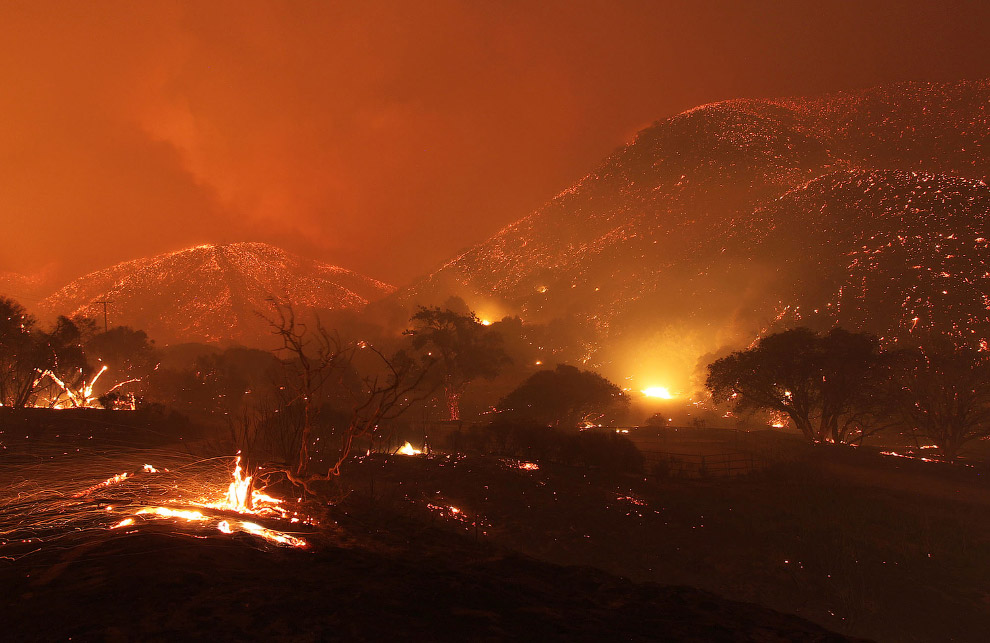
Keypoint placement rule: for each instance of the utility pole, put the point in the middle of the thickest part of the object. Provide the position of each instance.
(105, 327)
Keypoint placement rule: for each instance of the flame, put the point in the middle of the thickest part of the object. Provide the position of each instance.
(272, 535)
(167, 512)
(906, 455)
(112, 480)
(83, 396)
(240, 497)
(659, 392)
(778, 419)
(407, 449)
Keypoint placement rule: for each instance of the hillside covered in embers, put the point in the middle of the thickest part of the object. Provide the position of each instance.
(731, 218)
(212, 292)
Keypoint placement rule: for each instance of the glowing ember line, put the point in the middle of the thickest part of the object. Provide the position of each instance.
(166, 512)
(120, 477)
(272, 535)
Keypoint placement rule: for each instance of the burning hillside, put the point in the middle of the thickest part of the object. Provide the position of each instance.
(891, 252)
(212, 292)
(710, 224)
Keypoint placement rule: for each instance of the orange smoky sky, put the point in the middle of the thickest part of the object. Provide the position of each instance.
(385, 137)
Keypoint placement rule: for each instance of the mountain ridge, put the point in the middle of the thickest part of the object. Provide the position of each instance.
(653, 219)
(212, 292)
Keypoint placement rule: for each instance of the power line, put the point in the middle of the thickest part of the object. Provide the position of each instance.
(104, 302)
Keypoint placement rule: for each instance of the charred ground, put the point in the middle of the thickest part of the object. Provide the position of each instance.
(379, 566)
(468, 546)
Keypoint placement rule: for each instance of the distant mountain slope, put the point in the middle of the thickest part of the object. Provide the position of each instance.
(25, 289)
(887, 251)
(212, 292)
(698, 233)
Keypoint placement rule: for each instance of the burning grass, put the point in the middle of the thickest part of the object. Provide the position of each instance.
(859, 542)
(95, 549)
(192, 495)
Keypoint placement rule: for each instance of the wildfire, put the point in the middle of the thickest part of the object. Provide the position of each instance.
(658, 392)
(457, 515)
(778, 419)
(240, 497)
(167, 512)
(239, 493)
(112, 480)
(895, 454)
(407, 449)
(82, 397)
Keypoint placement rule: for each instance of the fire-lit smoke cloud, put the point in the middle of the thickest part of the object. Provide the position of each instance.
(383, 137)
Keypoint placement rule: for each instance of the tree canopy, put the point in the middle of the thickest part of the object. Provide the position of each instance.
(564, 397)
(941, 391)
(464, 348)
(38, 366)
(18, 353)
(821, 381)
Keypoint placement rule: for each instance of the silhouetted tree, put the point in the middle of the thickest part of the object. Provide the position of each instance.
(18, 354)
(563, 397)
(943, 392)
(464, 349)
(129, 357)
(65, 371)
(822, 382)
(34, 364)
(129, 352)
(239, 377)
(658, 420)
(319, 366)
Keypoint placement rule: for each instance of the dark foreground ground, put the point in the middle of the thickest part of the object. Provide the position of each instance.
(415, 584)
(468, 547)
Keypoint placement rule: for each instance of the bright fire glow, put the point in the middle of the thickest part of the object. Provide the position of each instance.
(407, 449)
(167, 512)
(240, 497)
(83, 396)
(659, 392)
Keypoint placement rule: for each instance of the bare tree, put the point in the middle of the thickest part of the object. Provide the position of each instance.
(320, 369)
(943, 392)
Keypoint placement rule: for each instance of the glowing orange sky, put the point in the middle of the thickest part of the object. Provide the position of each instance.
(385, 137)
